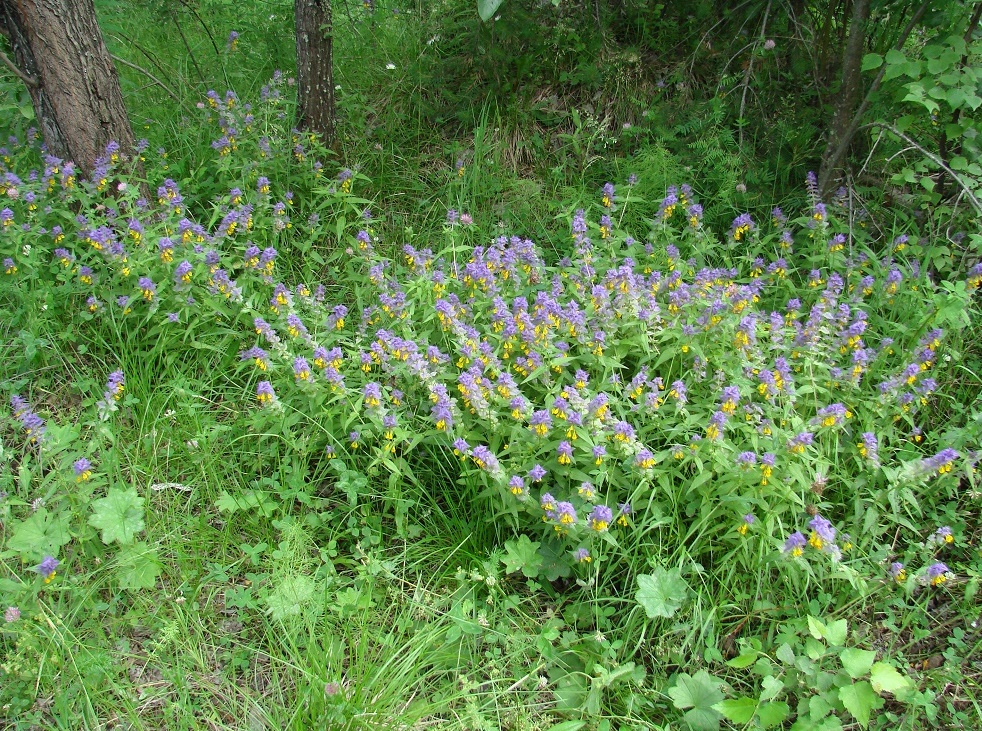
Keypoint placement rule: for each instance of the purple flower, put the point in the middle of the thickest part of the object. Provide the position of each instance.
(742, 225)
(373, 394)
(937, 573)
(798, 443)
(548, 504)
(565, 513)
(536, 473)
(83, 469)
(941, 462)
(516, 485)
(795, 544)
(540, 422)
(147, 288)
(730, 399)
(256, 354)
(264, 393)
(301, 369)
(582, 555)
(47, 568)
(600, 518)
(183, 273)
(868, 446)
(831, 415)
(823, 532)
(564, 453)
(644, 459)
(746, 459)
(13, 614)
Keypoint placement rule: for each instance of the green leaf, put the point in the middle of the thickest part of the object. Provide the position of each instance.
(773, 713)
(744, 660)
(567, 726)
(738, 710)
(247, 500)
(872, 61)
(894, 56)
(885, 678)
(860, 700)
(698, 694)
(555, 560)
(40, 535)
(857, 662)
(836, 632)
(956, 97)
(816, 627)
(662, 592)
(785, 654)
(487, 8)
(119, 515)
(522, 555)
(772, 688)
(291, 597)
(139, 567)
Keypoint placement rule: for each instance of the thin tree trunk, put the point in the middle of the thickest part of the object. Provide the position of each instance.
(77, 99)
(315, 72)
(838, 146)
(849, 91)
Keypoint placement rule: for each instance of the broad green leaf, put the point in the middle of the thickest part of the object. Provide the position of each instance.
(40, 535)
(857, 662)
(662, 592)
(697, 694)
(487, 8)
(872, 61)
(522, 555)
(835, 632)
(772, 688)
(555, 560)
(956, 97)
(785, 654)
(773, 713)
(860, 700)
(139, 567)
(291, 597)
(247, 500)
(568, 726)
(894, 56)
(885, 678)
(816, 627)
(737, 710)
(570, 692)
(119, 515)
(744, 660)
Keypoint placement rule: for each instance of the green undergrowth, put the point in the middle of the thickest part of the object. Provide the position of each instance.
(271, 462)
(483, 419)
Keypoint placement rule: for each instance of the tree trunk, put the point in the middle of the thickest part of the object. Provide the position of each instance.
(315, 73)
(73, 84)
(850, 92)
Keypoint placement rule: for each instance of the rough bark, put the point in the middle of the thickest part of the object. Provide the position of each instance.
(315, 72)
(849, 91)
(77, 99)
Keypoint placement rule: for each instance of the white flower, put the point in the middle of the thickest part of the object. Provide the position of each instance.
(390, 66)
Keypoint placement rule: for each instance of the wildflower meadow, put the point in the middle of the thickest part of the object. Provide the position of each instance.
(277, 451)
